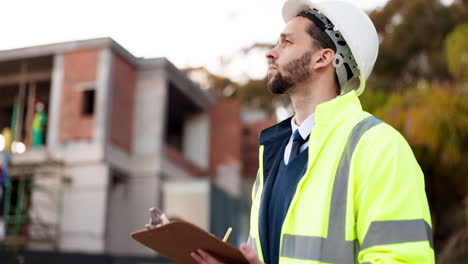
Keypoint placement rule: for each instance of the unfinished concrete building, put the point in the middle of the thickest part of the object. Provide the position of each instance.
(123, 134)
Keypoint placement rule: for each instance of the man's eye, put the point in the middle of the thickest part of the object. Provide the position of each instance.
(283, 42)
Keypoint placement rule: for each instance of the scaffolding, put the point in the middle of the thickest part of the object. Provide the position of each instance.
(32, 203)
(14, 205)
(23, 83)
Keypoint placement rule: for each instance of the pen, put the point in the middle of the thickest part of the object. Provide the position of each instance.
(226, 236)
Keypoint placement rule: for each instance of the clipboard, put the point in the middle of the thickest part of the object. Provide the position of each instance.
(177, 239)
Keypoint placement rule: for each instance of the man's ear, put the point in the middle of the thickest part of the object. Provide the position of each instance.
(323, 58)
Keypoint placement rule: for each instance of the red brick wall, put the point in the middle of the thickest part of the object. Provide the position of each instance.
(79, 67)
(123, 95)
(225, 134)
(250, 146)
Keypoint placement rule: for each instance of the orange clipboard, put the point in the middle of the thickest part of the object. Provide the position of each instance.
(177, 239)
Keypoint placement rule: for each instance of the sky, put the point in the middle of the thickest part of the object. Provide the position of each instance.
(189, 33)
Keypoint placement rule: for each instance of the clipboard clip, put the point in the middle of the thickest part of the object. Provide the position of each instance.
(157, 217)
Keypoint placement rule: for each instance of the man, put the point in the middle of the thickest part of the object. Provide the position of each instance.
(335, 184)
(38, 126)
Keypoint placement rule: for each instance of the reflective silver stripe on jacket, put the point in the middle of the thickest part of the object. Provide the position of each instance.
(256, 183)
(395, 232)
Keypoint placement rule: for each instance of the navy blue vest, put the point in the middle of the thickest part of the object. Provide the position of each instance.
(278, 192)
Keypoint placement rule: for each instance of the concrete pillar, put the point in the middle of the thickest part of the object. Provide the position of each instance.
(54, 105)
(128, 211)
(83, 220)
(189, 201)
(196, 139)
(150, 112)
(103, 85)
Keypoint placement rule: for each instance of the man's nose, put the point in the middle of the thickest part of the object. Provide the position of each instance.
(271, 55)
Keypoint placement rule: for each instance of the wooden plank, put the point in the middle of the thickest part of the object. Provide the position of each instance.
(31, 109)
(27, 77)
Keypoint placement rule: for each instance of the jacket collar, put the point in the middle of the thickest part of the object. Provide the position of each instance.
(327, 113)
(337, 110)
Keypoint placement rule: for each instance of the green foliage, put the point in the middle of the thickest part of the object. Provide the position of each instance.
(456, 48)
(371, 100)
(412, 37)
(434, 119)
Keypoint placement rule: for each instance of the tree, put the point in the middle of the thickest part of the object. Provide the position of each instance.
(412, 35)
(456, 48)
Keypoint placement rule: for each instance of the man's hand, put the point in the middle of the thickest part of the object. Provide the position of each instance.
(203, 257)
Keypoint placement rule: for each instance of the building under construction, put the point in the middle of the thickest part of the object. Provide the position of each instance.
(122, 134)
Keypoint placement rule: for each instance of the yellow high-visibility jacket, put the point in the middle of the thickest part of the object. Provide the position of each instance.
(361, 198)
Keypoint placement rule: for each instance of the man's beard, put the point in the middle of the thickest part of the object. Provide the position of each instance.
(296, 71)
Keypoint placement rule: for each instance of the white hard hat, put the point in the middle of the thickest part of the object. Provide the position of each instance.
(354, 25)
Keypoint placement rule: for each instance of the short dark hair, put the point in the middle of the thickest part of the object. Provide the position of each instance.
(320, 39)
(318, 35)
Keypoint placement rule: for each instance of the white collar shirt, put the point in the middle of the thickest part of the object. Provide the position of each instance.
(304, 130)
